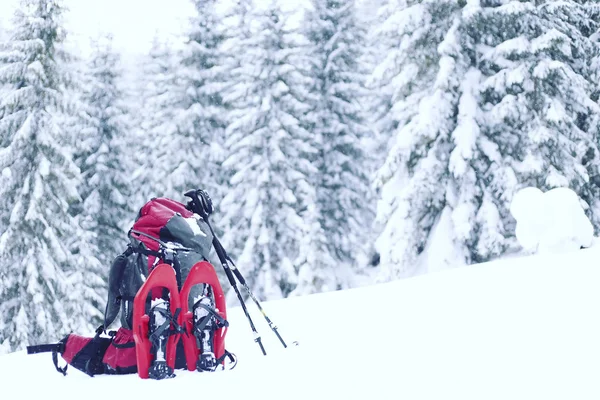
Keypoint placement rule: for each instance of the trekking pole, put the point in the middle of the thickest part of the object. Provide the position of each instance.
(239, 276)
(204, 203)
(257, 338)
(204, 209)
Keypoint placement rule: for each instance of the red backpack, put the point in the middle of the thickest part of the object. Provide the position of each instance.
(163, 287)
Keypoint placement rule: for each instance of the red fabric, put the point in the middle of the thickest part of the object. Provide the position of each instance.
(121, 357)
(74, 345)
(154, 215)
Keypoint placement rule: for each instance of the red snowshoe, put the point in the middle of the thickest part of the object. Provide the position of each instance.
(158, 337)
(207, 319)
(202, 329)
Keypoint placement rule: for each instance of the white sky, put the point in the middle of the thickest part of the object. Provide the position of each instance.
(133, 23)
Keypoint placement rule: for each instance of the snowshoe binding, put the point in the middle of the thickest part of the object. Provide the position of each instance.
(160, 330)
(205, 325)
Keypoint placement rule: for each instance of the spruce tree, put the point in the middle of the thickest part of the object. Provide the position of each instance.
(594, 15)
(39, 183)
(204, 115)
(387, 71)
(267, 146)
(543, 68)
(340, 218)
(489, 96)
(103, 154)
(162, 149)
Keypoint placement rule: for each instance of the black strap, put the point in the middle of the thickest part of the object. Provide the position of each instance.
(123, 345)
(221, 322)
(129, 251)
(142, 250)
(112, 335)
(55, 361)
(232, 360)
(55, 348)
(169, 319)
(175, 264)
(46, 348)
(177, 267)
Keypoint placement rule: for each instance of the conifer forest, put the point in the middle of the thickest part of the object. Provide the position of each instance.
(341, 147)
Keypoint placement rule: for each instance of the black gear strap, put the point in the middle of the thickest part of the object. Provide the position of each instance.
(55, 348)
(46, 348)
(174, 262)
(227, 355)
(142, 250)
(164, 329)
(201, 325)
(62, 370)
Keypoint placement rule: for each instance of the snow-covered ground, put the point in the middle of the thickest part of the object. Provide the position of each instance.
(522, 328)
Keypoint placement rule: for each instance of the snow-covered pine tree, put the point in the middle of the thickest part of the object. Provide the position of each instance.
(162, 149)
(594, 15)
(39, 183)
(543, 67)
(267, 146)
(237, 21)
(204, 115)
(103, 154)
(340, 216)
(86, 273)
(237, 30)
(420, 87)
(493, 95)
(387, 71)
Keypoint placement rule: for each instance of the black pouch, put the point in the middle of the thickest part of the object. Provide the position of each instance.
(86, 354)
(83, 353)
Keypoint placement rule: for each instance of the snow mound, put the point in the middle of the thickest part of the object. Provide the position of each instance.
(550, 222)
(522, 328)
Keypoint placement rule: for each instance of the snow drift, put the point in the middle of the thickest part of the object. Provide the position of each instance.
(550, 222)
(523, 328)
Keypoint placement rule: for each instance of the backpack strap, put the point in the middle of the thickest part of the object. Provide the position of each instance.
(62, 370)
(147, 252)
(115, 277)
(143, 250)
(46, 348)
(55, 348)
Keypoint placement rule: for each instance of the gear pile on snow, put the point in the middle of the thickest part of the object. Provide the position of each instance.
(171, 304)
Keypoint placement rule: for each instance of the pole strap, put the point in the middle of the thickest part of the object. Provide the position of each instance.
(225, 260)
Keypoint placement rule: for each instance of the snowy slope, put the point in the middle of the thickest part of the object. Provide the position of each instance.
(523, 328)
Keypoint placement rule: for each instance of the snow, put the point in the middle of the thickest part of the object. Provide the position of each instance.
(550, 222)
(467, 130)
(446, 255)
(521, 328)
